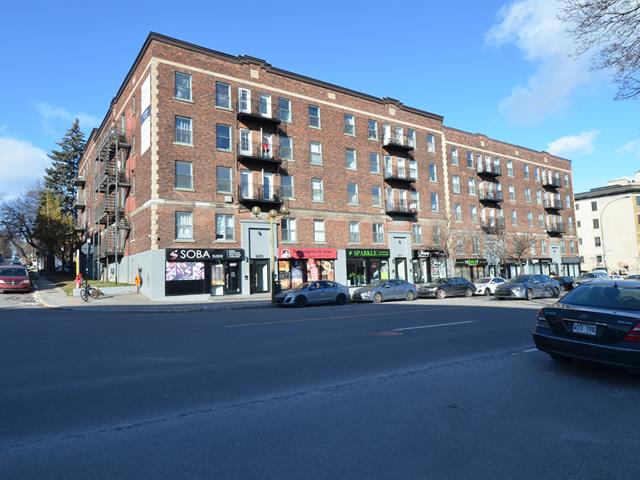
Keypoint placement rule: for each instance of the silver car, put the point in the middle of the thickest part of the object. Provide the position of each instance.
(381, 290)
(314, 293)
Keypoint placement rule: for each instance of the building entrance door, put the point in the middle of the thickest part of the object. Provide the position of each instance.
(259, 276)
(401, 268)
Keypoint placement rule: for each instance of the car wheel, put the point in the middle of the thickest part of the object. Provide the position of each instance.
(487, 292)
(468, 293)
(301, 301)
(440, 294)
(528, 295)
(377, 297)
(341, 299)
(410, 296)
(560, 358)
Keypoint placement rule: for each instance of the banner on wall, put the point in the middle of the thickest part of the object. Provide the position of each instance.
(145, 117)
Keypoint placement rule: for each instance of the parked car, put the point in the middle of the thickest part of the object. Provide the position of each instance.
(566, 283)
(14, 279)
(600, 269)
(632, 277)
(598, 321)
(487, 285)
(528, 287)
(447, 287)
(587, 277)
(313, 293)
(382, 290)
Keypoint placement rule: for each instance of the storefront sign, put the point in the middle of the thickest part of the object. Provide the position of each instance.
(569, 260)
(428, 253)
(297, 253)
(368, 253)
(540, 260)
(203, 254)
(471, 262)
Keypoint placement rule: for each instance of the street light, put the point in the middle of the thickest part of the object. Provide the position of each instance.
(604, 250)
(272, 216)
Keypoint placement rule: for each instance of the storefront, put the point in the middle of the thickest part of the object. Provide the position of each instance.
(470, 268)
(540, 266)
(299, 265)
(366, 265)
(197, 271)
(571, 266)
(429, 265)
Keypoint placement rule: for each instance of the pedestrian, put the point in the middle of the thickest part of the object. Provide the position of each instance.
(138, 282)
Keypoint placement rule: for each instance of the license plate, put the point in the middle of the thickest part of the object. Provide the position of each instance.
(584, 328)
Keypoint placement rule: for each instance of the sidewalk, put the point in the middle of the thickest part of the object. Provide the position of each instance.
(48, 295)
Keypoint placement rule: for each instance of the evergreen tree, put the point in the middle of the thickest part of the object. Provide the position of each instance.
(60, 175)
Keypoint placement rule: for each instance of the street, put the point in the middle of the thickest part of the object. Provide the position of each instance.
(426, 389)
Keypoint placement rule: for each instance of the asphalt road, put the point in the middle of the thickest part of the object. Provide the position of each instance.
(393, 391)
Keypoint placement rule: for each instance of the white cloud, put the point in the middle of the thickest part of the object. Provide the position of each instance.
(22, 164)
(574, 145)
(534, 28)
(631, 148)
(56, 119)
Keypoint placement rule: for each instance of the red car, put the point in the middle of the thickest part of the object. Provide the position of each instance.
(14, 279)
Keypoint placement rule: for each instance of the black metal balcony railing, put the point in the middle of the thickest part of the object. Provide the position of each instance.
(79, 204)
(258, 193)
(79, 181)
(491, 170)
(490, 196)
(262, 152)
(106, 211)
(553, 204)
(555, 229)
(111, 243)
(400, 209)
(492, 225)
(399, 142)
(259, 111)
(399, 176)
(551, 182)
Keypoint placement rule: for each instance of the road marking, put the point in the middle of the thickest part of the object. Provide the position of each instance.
(431, 326)
(529, 350)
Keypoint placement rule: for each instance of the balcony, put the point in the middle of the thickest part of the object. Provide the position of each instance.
(492, 226)
(399, 177)
(107, 178)
(79, 181)
(79, 204)
(106, 211)
(553, 204)
(555, 230)
(257, 194)
(488, 171)
(258, 111)
(398, 142)
(263, 153)
(551, 183)
(111, 243)
(492, 196)
(403, 210)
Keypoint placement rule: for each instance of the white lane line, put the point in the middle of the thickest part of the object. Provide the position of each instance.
(529, 350)
(431, 326)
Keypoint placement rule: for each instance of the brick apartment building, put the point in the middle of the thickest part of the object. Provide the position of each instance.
(359, 187)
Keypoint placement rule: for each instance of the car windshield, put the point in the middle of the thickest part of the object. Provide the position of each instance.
(615, 296)
(587, 275)
(521, 279)
(441, 281)
(302, 286)
(483, 280)
(13, 272)
(375, 283)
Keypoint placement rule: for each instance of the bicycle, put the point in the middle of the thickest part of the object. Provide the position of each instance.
(89, 291)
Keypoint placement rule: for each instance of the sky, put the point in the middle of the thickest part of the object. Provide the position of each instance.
(504, 69)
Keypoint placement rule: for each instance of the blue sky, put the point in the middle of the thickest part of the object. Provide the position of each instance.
(500, 68)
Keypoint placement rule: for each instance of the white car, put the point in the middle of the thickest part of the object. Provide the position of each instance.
(487, 285)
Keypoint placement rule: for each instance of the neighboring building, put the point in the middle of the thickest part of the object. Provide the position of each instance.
(608, 224)
(195, 139)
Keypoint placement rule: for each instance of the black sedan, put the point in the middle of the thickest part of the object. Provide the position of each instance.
(527, 287)
(566, 283)
(447, 287)
(598, 321)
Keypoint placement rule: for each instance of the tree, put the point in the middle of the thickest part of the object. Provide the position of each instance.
(495, 248)
(59, 177)
(610, 28)
(55, 230)
(519, 247)
(18, 219)
(446, 240)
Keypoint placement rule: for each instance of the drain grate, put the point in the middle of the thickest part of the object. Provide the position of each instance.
(385, 333)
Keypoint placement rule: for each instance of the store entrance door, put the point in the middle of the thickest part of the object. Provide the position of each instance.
(401, 268)
(232, 278)
(259, 276)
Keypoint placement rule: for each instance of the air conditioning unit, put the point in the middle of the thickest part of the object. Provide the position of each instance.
(228, 199)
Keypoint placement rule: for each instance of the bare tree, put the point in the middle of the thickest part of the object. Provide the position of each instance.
(446, 241)
(19, 219)
(495, 248)
(611, 29)
(519, 247)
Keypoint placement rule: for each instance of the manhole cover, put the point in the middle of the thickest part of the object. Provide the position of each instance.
(385, 333)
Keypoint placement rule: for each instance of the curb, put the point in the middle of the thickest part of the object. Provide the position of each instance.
(124, 309)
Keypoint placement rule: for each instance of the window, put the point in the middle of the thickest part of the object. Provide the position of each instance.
(264, 107)
(474, 214)
(457, 209)
(596, 240)
(510, 168)
(372, 130)
(434, 202)
(472, 186)
(374, 163)
(184, 175)
(284, 109)
(378, 233)
(183, 130)
(454, 156)
(637, 202)
(460, 246)
(579, 224)
(570, 221)
(433, 172)
(532, 248)
(349, 124)
(431, 143)
(514, 218)
(578, 206)
(354, 232)
(594, 206)
(572, 247)
(286, 184)
(455, 180)
(475, 245)
(352, 193)
(417, 234)
(541, 219)
(223, 176)
(599, 259)
(543, 246)
(469, 159)
(223, 95)
(376, 196)
(580, 241)
(184, 226)
(223, 137)
(411, 137)
(525, 171)
(286, 148)
(288, 229)
(512, 193)
(225, 227)
(350, 159)
(539, 197)
(182, 88)
(596, 224)
(530, 219)
(315, 153)
(527, 195)
(536, 173)
(413, 169)
(314, 116)
(317, 190)
(567, 201)
(318, 231)
(566, 180)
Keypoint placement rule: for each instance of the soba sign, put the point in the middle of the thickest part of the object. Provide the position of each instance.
(203, 254)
